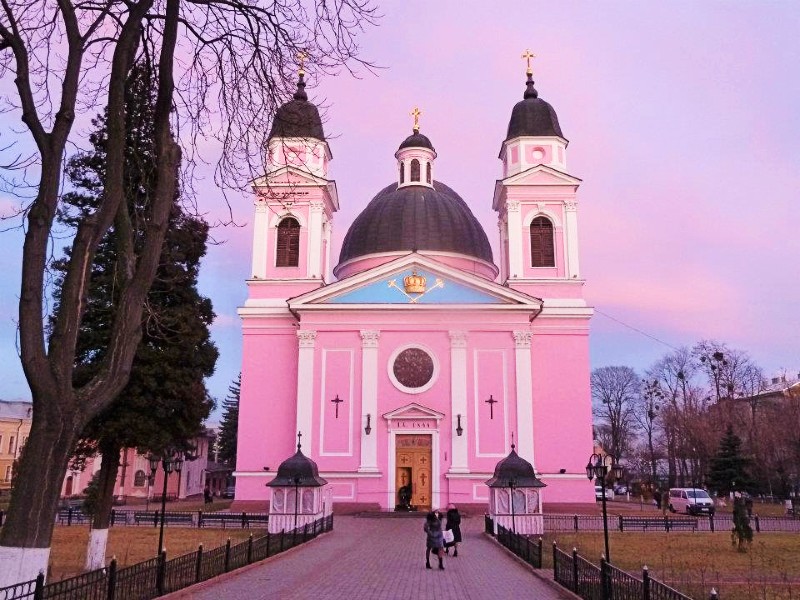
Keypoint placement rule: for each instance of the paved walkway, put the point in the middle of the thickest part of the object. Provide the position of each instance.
(382, 559)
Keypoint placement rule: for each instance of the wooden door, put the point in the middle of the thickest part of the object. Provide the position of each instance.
(413, 460)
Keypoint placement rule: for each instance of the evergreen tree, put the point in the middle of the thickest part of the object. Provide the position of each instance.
(165, 401)
(728, 469)
(228, 430)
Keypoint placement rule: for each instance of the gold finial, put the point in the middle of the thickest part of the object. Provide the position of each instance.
(528, 56)
(301, 58)
(416, 113)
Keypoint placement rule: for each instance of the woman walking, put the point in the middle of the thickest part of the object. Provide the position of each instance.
(454, 525)
(434, 540)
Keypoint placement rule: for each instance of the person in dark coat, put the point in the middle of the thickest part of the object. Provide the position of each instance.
(454, 525)
(434, 540)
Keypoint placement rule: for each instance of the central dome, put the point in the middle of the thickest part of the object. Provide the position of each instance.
(416, 218)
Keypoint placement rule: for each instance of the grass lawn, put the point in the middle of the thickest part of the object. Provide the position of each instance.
(134, 544)
(694, 562)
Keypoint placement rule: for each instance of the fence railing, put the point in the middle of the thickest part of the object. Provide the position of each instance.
(606, 582)
(657, 522)
(175, 518)
(521, 545)
(158, 576)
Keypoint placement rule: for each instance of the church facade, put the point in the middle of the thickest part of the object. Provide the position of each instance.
(412, 372)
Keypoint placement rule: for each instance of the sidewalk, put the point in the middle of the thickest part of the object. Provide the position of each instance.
(382, 559)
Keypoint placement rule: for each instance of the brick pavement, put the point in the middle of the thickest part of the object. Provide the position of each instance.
(382, 559)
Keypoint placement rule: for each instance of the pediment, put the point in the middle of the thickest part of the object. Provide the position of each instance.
(540, 175)
(289, 175)
(438, 285)
(413, 411)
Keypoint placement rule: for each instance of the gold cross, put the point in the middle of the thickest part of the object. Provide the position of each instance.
(416, 113)
(301, 58)
(528, 56)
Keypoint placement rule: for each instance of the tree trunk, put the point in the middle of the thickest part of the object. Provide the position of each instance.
(98, 535)
(26, 536)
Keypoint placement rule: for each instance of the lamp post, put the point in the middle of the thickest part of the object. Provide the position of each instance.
(512, 483)
(169, 461)
(597, 467)
(297, 481)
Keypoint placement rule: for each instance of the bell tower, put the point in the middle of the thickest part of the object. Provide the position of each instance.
(536, 200)
(294, 202)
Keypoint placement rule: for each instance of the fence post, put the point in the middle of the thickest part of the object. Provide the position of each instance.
(2, 515)
(620, 522)
(155, 518)
(666, 524)
(758, 524)
(711, 521)
(161, 572)
(250, 549)
(575, 570)
(576, 522)
(539, 559)
(112, 579)
(227, 555)
(199, 519)
(38, 591)
(113, 517)
(198, 564)
(244, 519)
(283, 531)
(605, 580)
(69, 516)
(555, 559)
(305, 533)
(645, 583)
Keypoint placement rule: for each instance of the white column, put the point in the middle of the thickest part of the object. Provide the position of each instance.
(305, 384)
(369, 401)
(458, 401)
(327, 258)
(260, 226)
(514, 218)
(524, 390)
(315, 239)
(571, 235)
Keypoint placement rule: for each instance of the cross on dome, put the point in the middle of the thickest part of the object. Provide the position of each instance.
(299, 435)
(416, 113)
(528, 55)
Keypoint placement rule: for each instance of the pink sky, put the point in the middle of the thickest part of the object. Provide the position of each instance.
(683, 123)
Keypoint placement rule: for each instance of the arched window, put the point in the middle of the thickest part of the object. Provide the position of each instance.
(542, 247)
(428, 175)
(402, 172)
(288, 248)
(415, 170)
(138, 479)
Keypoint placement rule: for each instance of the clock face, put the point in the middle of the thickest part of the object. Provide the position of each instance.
(413, 368)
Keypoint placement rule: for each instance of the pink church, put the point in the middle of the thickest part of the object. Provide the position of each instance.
(423, 358)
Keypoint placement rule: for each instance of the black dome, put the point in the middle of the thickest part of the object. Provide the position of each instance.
(514, 468)
(416, 140)
(416, 217)
(533, 116)
(298, 470)
(298, 117)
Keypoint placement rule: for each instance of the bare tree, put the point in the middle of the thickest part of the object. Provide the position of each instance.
(646, 412)
(614, 393)
(68, 57)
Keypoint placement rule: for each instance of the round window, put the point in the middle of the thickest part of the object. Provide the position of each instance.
(413, 370)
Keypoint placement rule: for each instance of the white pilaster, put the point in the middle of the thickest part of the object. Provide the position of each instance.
(514, 217)
(315, 239)
(369, 401)
(260, 226)
(524, 392)
(571, 235)
(305, 384)
(458, 401)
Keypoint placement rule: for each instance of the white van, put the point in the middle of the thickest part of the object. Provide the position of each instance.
(692, 501)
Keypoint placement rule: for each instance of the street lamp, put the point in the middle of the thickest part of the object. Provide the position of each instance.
(170, 461)
(297, 481)
(512, 483)
(597, 467)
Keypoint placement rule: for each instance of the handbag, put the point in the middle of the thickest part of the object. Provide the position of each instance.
(448, 536)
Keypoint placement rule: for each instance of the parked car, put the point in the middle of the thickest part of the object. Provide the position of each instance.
(692, 501)
(598, 493)
(621, 489)
(229, 492)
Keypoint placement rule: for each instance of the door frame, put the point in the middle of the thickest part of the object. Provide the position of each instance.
(433, 431)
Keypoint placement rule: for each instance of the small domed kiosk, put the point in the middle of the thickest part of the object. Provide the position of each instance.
(515, 499)
(298, 479)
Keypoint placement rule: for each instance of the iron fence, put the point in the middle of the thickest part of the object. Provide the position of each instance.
(176, 518)
(605, 581)
(522, 546)
(658, 522)
(159, 576)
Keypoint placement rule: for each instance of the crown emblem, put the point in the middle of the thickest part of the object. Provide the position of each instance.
(414, 284)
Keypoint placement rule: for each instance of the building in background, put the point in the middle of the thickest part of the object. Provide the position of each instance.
(15, 426)
(423, 362)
